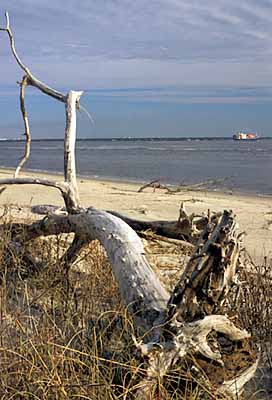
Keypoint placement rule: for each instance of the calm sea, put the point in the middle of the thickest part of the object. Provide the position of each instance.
(249, 164)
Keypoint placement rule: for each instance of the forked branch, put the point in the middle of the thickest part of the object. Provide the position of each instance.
(71, 100)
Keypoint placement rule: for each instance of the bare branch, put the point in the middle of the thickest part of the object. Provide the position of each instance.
(170, 189)
(62, 186)
(81, 108)
(27, 134)
(32, 79)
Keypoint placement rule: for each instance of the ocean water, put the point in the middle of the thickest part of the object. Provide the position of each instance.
(247, 164)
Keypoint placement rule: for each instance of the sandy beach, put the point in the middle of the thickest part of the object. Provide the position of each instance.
(254, 213)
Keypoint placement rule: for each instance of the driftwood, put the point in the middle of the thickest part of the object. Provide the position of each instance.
(156, 184)
(180, 327)
(191, 310)
(187, 227)
(171, 189)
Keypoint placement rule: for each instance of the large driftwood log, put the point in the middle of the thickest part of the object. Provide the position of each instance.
(141, 290)
(184, 327)
(187, 227)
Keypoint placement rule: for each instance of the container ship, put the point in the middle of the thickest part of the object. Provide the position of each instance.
(245, 136)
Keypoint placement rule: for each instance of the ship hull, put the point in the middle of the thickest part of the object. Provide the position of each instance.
(245, 136)
(245, 140)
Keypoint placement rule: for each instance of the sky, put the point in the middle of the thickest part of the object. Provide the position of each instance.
(171, 68)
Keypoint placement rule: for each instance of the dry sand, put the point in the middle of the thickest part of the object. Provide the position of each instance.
(254, 213)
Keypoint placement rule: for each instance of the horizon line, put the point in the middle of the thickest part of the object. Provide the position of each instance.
(128, 138)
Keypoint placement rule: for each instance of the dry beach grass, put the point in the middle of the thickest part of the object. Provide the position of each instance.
(67, 335)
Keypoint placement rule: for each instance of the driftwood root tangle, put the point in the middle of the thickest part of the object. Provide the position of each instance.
(192, 330)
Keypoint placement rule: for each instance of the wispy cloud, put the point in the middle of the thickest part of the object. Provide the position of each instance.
(186, 51)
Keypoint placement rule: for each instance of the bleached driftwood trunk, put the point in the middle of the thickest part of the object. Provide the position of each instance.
(184, 320)
(72, 103)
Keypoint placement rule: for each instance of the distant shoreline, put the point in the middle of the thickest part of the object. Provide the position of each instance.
(131, 139)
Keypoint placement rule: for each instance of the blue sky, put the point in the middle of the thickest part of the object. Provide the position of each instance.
(148, 68)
